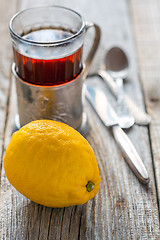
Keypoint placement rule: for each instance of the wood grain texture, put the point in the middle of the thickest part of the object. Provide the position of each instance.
(7, 9)
(123, 208)
(146, 19)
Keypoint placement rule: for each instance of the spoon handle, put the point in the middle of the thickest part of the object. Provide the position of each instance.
(130, 154)
(141, 118)
(125, 118)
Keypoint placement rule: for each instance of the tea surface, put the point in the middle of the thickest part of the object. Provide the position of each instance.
(36, 68)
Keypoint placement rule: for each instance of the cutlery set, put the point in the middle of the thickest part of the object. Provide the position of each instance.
(128, 113)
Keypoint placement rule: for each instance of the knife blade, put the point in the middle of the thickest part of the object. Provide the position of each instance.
(108, 116)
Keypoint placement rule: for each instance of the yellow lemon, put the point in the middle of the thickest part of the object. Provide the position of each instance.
(52, 164)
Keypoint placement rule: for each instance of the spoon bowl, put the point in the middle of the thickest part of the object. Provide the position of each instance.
(116, 62)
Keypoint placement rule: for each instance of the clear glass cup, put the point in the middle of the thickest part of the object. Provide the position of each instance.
(48, 64)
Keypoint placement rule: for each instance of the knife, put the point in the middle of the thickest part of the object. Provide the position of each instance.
(108, 116)
(141, 118)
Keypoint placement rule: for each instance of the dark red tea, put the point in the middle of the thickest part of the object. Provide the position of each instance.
(47, 71)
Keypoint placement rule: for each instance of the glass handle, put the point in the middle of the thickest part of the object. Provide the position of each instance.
(93, 48)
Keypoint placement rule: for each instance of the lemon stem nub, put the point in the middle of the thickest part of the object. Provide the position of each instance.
(90, 186)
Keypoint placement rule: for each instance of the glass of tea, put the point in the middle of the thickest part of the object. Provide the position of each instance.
(48, 66)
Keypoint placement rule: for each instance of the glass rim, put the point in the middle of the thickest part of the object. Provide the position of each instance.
(46, 43)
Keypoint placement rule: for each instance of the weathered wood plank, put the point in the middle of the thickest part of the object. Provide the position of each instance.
(123, 208)
(7, 9)
(146, 18)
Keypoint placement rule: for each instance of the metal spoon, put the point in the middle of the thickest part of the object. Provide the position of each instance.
(116, 64)
(140, 116)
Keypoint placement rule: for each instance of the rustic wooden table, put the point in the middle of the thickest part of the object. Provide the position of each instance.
(123, 208)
